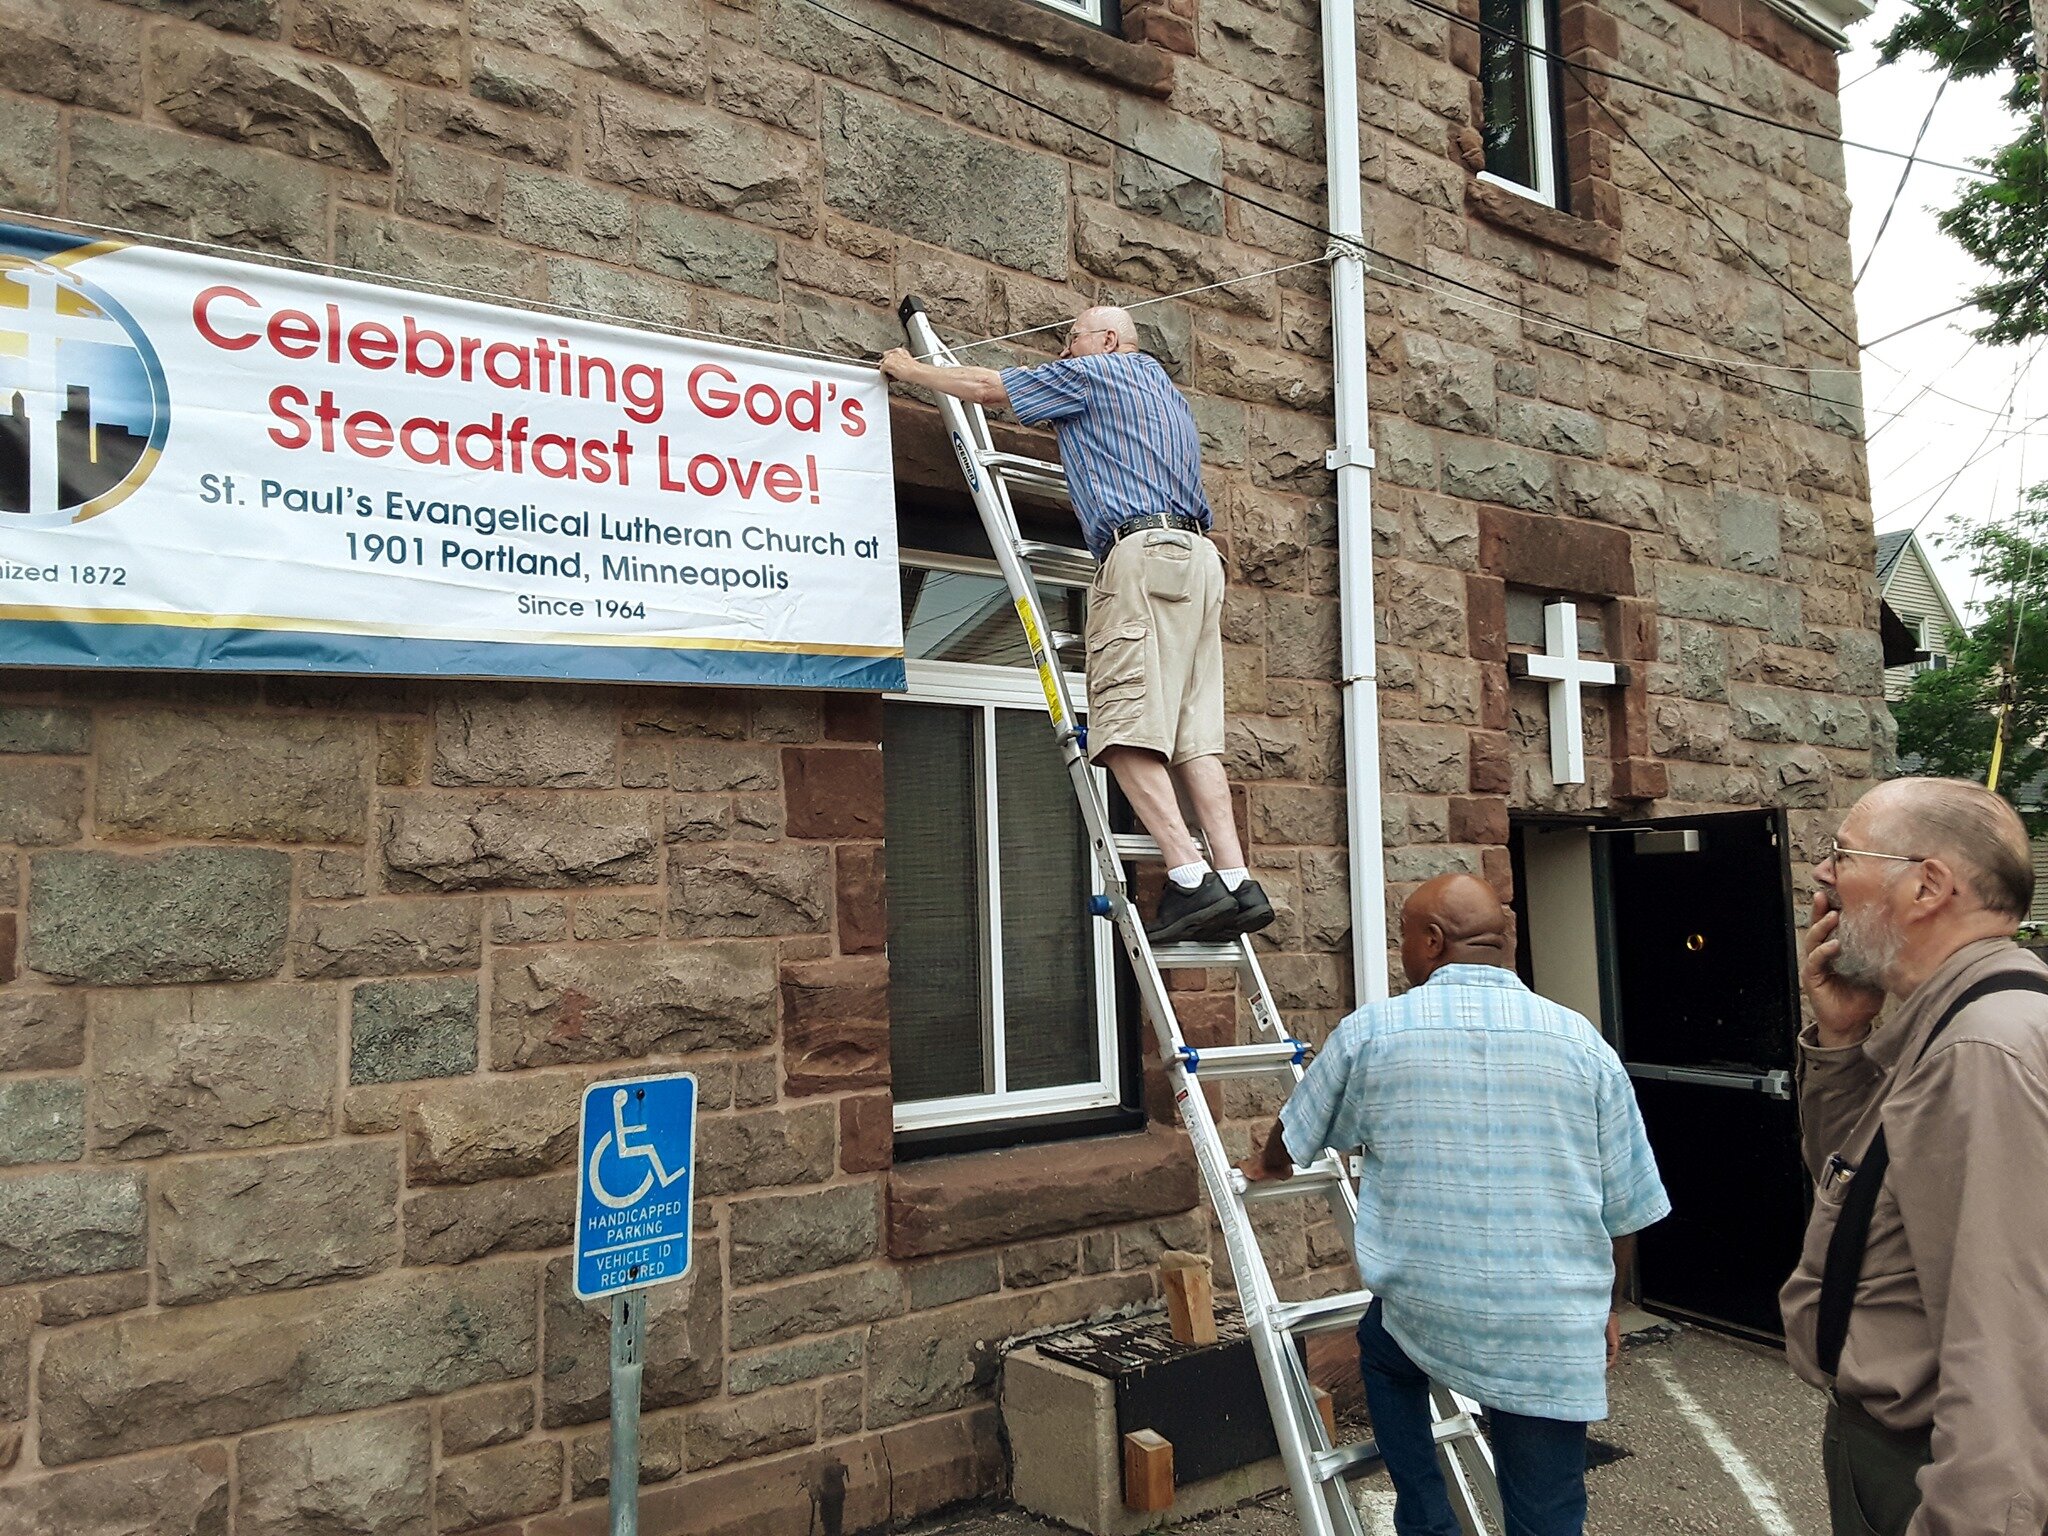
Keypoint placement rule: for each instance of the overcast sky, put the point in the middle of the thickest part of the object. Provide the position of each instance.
(1916, 271)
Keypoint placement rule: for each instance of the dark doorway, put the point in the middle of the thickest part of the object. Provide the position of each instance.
(1700, 990)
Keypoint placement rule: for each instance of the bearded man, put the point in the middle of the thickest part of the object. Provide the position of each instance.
(1920, 1304)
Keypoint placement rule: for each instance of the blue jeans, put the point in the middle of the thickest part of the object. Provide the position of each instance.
(1540, 1463)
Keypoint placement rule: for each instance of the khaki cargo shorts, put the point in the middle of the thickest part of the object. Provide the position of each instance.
(1155, 647)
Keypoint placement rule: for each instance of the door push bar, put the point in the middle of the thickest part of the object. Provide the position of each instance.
(1777, 1085)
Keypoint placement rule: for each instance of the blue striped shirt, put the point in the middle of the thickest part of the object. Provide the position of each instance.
(1503, 1152)
(1127, 437)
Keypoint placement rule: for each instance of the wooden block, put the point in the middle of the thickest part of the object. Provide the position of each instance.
(1326, 1405)
(1190, 1297)
(1148, 1472)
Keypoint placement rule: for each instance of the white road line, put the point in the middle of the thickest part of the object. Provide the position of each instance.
(1756, 1488)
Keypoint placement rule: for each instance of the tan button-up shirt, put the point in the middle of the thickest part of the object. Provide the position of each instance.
(1951, 1319)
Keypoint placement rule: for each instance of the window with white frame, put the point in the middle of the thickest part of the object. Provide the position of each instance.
(1094, 12)
(1002, 992)
(1520, 82)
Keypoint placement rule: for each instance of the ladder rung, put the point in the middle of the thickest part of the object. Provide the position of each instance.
(1059, 560)
(1041, 475)
(1344, 1310)
(1318, 1180)
(1347, 1460)
(1193, 957)
(1364, 1456)
(1135, 845)
(1243, 1060)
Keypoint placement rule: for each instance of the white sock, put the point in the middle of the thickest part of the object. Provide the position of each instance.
(1188, 876)
(1233, 878)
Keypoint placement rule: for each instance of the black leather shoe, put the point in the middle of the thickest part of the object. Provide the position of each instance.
(1183, 914)
(1249, 912)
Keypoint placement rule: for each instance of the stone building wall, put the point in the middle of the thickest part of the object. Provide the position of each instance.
(302, 978)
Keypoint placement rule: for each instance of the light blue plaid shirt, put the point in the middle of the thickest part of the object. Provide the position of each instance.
(1503, 1151)
(1127, 437)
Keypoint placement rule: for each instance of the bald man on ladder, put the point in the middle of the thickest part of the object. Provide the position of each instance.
(1155, 648)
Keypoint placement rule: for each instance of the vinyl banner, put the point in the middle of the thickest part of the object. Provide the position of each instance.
(215, 464)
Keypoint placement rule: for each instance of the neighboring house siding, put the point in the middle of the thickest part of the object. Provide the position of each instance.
(1915, 594)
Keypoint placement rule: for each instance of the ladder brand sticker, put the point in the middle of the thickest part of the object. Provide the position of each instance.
(1036, 641)
(966, 463)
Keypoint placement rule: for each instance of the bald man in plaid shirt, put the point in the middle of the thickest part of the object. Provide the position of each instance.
(1506, 1175)
(1155, 648)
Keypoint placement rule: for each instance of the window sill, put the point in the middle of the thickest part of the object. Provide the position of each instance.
(1063, 39)
(1523, 215)
(981, 1199)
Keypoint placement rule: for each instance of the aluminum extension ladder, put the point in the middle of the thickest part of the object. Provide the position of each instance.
(1318, 1471)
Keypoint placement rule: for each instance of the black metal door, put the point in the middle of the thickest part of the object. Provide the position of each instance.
(1701, 991)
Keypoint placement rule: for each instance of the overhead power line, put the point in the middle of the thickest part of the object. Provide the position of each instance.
(1905, 174)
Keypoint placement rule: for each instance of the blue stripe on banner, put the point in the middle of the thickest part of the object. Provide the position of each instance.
(41, 643)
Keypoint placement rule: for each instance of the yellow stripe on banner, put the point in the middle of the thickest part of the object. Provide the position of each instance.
(353, 627)
(1036, 641)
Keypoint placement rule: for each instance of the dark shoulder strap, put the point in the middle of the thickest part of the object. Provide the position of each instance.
(1844, 1265)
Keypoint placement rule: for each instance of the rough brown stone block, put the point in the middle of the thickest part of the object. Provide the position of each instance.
(456, 1225)
(802, 1361)
(370, 1474)
(156, 178)
(1492, 764)
(748, 892)
(73, 1301)
(455, 841)
(1641, 778)
(313, 111)
(853, 717)
(1479, 819)
(418, 41)
(18, 1318)
(944, 1461)
(40, 728)
(601, 1002)
(661, 47)
(498, 1128)
(548, 738)
(39, 1030)
(387, 937)
(1557, 554)
(860, 877)
(867, 1132)
(842, 1487)
(835, 1024)
(504, 1483)
(41, 803)
(1486, 617)
(204, 1068)
(131, 1383)
(766, 1147)
(685, 1358)
(702, 158)
(946, 1204)
(287, 778)
(783, 1312)
(756, 1425)
(774, 1236)
(590, 1453)
(242, 1225)
(181, 1491)
(833, 792)
(485, 1418)
(188, 914)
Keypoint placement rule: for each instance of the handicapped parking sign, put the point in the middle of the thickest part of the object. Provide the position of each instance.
(633, 1185)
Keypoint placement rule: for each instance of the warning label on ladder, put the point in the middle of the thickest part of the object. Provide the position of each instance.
(1043, 658)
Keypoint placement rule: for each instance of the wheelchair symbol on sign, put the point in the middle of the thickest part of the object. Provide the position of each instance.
(617, 1137)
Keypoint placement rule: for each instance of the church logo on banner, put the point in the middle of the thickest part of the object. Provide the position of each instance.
(358, 478)
(83, 408)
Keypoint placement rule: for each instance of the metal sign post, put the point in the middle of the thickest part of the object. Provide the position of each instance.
(633, 1231)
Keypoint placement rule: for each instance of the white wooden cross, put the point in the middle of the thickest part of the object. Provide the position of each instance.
(1560, 665)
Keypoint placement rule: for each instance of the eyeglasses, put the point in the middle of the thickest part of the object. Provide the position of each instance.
(1836, 852)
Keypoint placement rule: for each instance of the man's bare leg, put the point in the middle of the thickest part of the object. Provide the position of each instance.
(1208, 791)
(1148, 784)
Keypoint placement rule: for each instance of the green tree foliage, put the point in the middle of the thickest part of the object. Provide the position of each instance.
(2002, 222)
(1948, 719)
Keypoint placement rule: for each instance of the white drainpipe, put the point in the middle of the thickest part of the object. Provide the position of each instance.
(1352, 460)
